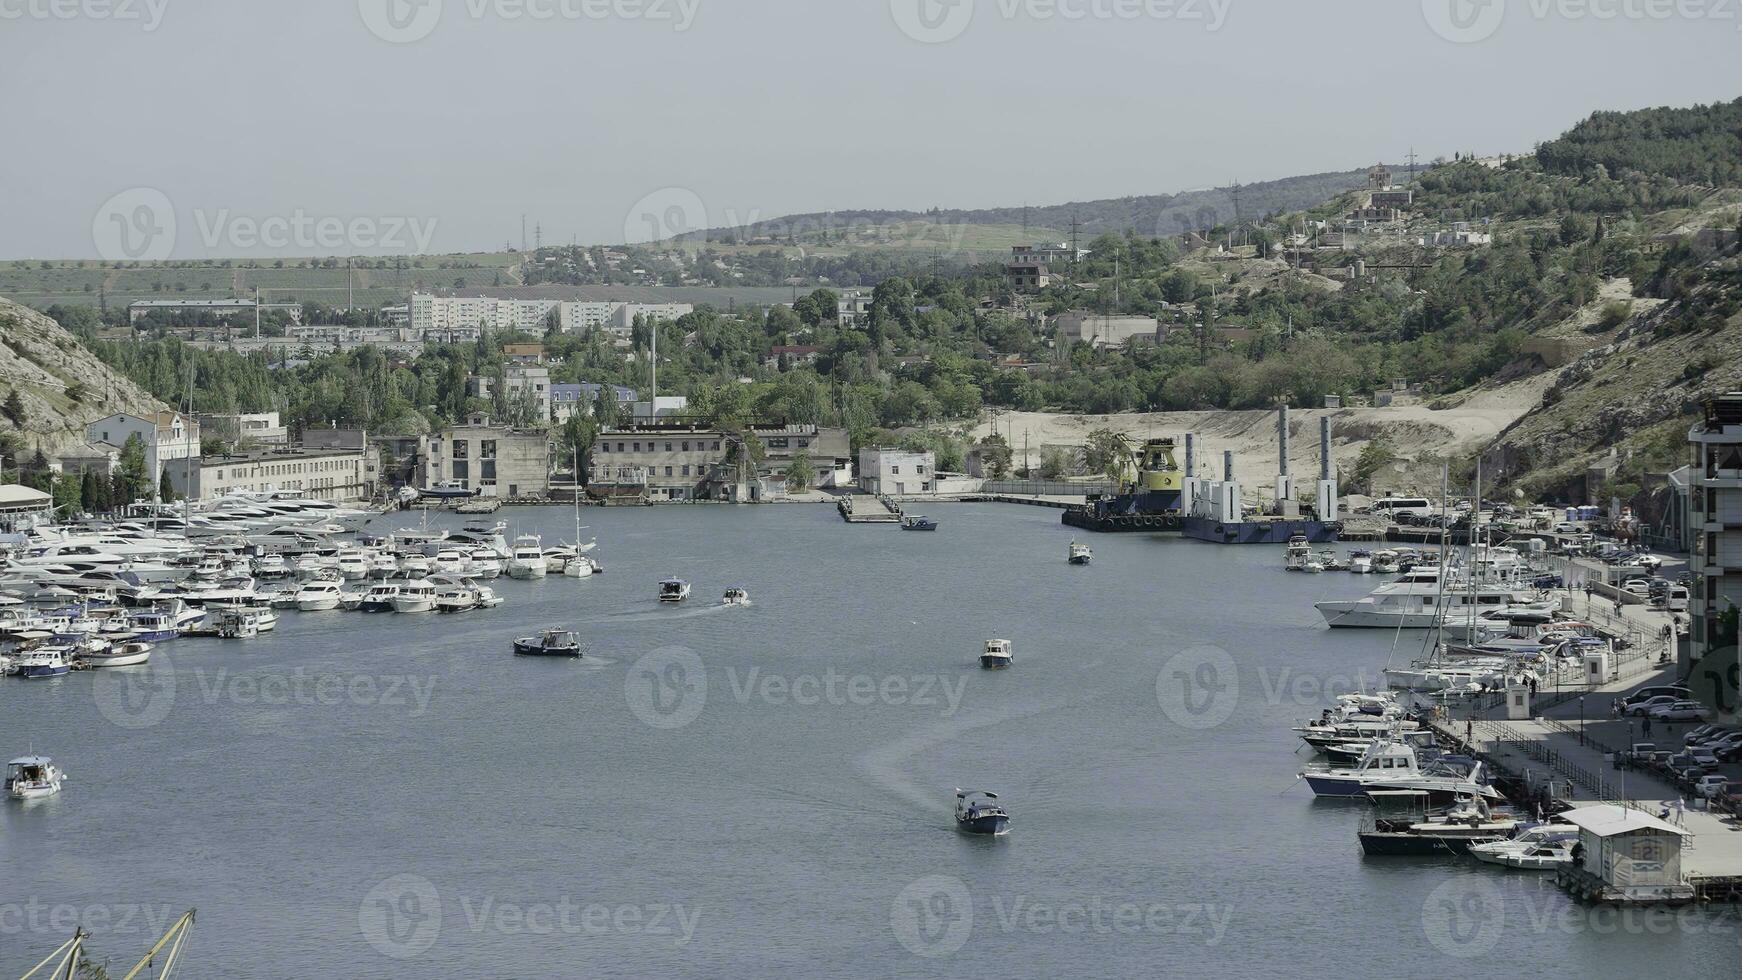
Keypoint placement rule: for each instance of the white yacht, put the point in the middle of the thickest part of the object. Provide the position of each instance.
(456, 598)
(415, 597)
(527, 560)
(319, 597)
(1543, 847)
(1418, 600)
(450, 561)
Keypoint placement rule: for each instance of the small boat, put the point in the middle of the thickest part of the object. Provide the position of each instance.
(918, 523)
(486, 597)
(997, 655)
(674, 590)
(447, 490)
(1543, 847)
(415, 597)
(735, 597)
(33, 777)
(978, 812)
(239, 624)
(1299, 554)
(1360, 563)
(580, 566)
(453, 600)
(42, 662)
(153, 626)
(127, 654)
(556, 642)
(1080, 553)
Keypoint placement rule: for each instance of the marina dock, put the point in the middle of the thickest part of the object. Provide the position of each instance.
(863, 508)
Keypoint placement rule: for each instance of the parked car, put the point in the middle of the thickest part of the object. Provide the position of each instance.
(1678, 711)
(1701, 733)
(1642, 709)
(1728, 748)
(1638, 587)
(1678, 691)
(1566, 528)
(1703, 757)
(1712, 786)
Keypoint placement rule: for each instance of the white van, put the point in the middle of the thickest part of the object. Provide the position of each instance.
(1678, 599)
(1404, 507)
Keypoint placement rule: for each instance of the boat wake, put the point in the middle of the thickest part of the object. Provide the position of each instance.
(884, 765)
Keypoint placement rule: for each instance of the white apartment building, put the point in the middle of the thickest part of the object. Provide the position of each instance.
(897, 471)
(168, 436)
(441, 316)
(1715, 505)
(338, 475)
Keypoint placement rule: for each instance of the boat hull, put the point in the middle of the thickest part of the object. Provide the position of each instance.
(995, 663)
(994, 825)
(532, 648)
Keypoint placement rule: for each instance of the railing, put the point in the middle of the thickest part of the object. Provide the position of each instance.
(1046, 488)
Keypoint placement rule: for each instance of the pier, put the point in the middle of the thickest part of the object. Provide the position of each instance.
(863, 508)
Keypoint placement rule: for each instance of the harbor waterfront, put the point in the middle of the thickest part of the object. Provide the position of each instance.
(745, 789)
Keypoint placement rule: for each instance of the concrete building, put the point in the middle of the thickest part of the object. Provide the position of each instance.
(897, 471)
(23, 507)
(675, 461)
(661, 407)
(1715, 502)
(436, 317)
(495, 460)
(529, 383)
(258, 428)
(622, 320)
(1099, 330)
(566, 400)
(830, 451)
(853, 309)
(792, 354)
(168, 436)
(224, 308)
(96, 457)
(339, 475)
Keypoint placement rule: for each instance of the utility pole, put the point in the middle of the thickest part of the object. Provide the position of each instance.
(1236, 203)
(1412, 166)
(1076, 250)
(523, 231)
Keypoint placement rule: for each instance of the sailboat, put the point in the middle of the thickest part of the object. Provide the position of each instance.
(580, 566)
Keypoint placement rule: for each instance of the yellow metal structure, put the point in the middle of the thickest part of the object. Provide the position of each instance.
(1156, 468)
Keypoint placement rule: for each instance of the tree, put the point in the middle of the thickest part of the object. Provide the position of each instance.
(1110, 453)
(68, 495)
(605, 408)
(131, 480)
(165, 490)
(800, 474)
(1053, 463)
(14, 407)
(995, 456)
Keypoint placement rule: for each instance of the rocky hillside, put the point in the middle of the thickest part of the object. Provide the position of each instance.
(60, 384)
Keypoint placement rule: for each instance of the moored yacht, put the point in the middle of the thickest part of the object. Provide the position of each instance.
(415, 597)
(33, 777)
(526, 559)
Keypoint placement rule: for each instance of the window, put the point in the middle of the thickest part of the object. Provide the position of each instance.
(668, 471)
(668, 447)
(462, 449)
(686, 469)
(488, 450)
(895, 470)
(487, 470)
(620, 447)
(638, 447)
(686, 448)
(716, 445)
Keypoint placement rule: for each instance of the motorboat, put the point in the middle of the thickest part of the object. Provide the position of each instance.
(555, 642)
(918, 523)
(1360, 563)
(735, 597)
(33, 777)
(997, 655)
(486, 597)
(674, 590)
(448, 490)
(456, 599)
(415, 597)
(979, 812)
(1469, 822)
(153, 626)
(1419, 600)
(450, 561)
(526, 559)
(239, 623)
(580, 566)
(484, 563)
(319, 597)
(379, 599)
(1299, 553)
(416, 566)
(46, 661)
(1080, 554)
(355, 565)
(129, 654)
(1330, 561)
(271, 566)
(1538, 847)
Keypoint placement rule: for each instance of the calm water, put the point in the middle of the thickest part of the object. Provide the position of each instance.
(765, 790)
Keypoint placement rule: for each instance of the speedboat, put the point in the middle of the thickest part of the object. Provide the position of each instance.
(1300, 552)
(1542, 847)
(450, 561)
(33, 777)
(1361, 562)
(379, 599)
(483, 563)
(319, 597)
(997, 655)
(674, 590)
(127, 654)
(415, 597)
(486, 597)
(1384, 762)
(1080, 554)
(526, 560)
(448, 490)
(153, 626)
(735, 597)
(241, 623)
(354, 565)
(554, 642)
(1468, 823)
(918, 523)
(978, 812)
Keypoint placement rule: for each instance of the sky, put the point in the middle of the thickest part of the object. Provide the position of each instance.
(255, 128)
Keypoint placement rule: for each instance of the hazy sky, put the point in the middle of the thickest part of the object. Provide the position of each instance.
(439, 122)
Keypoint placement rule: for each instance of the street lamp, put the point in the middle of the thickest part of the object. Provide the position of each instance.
(1581, 720)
